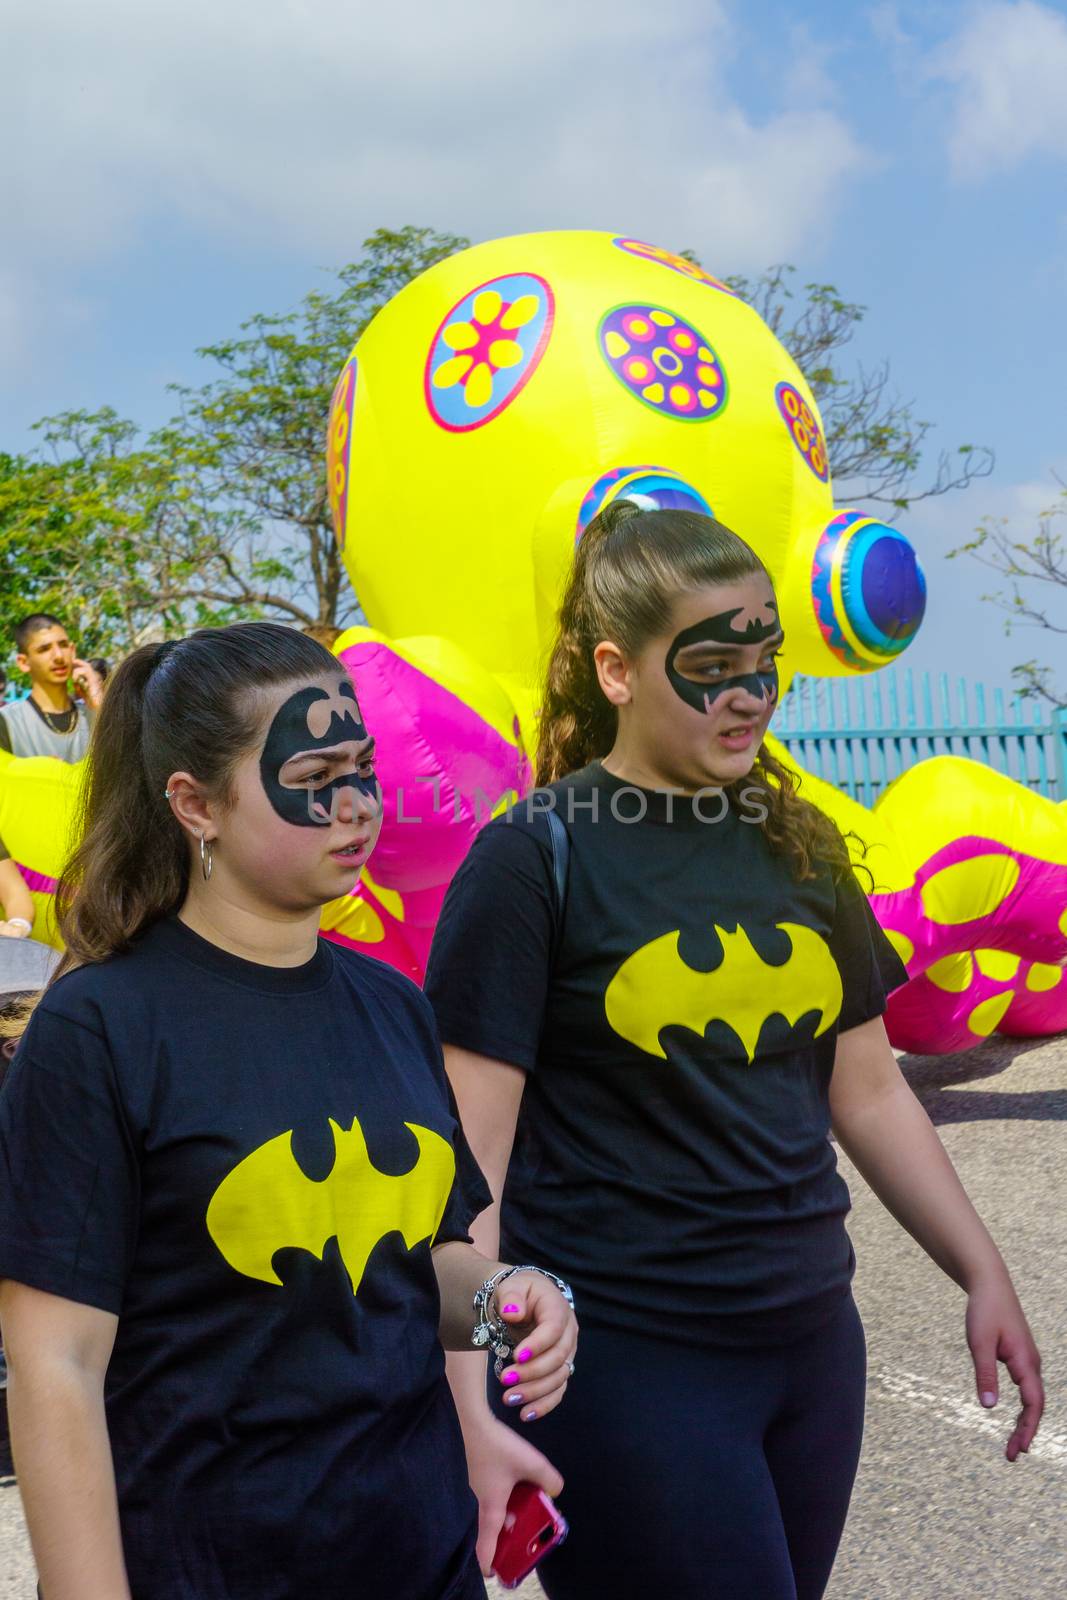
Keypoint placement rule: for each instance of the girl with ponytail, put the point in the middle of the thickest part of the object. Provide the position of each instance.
(648, 1065)
(234, 1201)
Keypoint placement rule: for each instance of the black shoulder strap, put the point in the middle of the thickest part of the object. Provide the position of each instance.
(561, 851)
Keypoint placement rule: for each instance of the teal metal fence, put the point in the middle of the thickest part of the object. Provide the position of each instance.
(859, 734)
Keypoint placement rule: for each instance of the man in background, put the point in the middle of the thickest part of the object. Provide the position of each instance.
(50, 722)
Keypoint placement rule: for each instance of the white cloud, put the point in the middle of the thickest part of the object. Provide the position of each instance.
(809, 76)
(1009, 65)
(950, 520)
(306, 124)
(886, 26)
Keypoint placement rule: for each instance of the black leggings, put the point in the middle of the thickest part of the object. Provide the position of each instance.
(704, 1474)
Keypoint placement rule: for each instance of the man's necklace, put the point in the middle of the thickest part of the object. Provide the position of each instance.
(50, 716)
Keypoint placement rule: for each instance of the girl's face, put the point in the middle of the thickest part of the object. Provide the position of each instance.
(306, 808)
(701, 694)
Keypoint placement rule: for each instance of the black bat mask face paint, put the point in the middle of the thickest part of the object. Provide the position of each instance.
(721, 629)
(313, 719)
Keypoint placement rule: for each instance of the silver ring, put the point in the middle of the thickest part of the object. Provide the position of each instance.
(570, 1369)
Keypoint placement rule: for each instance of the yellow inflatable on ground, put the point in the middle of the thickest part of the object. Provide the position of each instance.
(969, 876)
(38, 803)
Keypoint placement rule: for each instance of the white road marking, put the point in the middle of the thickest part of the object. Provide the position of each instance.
(1050, 1445)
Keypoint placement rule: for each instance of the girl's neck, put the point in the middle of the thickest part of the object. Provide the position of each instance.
(632, 766)
(276, 939)
(629, 769)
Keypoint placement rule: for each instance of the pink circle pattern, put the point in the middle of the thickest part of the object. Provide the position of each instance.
(676, 263)
(804, 429)
(664, 361)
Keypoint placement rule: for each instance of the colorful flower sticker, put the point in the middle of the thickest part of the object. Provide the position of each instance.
(664, 361)
(667, 258)
(487, 349)
(653, 488)
(339, 447)
(801, 422)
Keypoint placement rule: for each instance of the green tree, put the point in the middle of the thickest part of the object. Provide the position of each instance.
(259, 429)
(222, 514)
(60, 538)
(27, 574)
(117, 537)
(874, 439)
(1034, 567)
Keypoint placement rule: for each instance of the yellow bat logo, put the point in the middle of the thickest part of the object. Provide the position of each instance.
(655, 988)
(268, 1203)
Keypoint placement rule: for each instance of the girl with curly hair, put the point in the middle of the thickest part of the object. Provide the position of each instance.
(648, 1063)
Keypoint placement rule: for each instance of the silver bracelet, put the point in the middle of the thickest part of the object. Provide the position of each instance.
(489, 1329)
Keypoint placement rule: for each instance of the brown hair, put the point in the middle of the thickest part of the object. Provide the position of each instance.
(630, 567)
(186, 705)
(14, 1015)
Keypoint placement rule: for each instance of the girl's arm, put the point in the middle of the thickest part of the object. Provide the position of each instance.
(891, 1141)
(488, 1094)
(57, 1354)
(15, 899)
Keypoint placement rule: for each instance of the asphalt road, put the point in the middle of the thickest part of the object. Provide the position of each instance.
(937, 1510)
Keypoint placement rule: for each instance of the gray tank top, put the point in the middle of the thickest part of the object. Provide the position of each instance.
(31, 736)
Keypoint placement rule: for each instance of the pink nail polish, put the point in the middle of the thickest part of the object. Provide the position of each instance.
(510, 1377)
(511, 1311)
(523, 1355)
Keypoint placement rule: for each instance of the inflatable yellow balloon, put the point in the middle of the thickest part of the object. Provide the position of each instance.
(507, 394)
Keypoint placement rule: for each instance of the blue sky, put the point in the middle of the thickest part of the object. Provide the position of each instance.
(171, 169)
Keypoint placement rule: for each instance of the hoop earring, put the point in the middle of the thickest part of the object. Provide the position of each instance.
(207, 858)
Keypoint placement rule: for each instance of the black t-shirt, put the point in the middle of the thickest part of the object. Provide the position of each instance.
(672, 1156)
(221, 1153)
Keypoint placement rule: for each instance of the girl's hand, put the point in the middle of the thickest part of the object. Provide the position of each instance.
(547, 1337)
(997, 1330)
(498, 1459)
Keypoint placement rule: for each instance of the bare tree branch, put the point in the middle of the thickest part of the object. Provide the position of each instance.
(1042, 559)
(874, 440)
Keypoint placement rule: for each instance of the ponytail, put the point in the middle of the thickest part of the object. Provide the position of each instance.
(187, 705)
(577, 722)
(130, 865)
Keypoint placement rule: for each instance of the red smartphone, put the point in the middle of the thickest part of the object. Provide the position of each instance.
(532, 1527)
